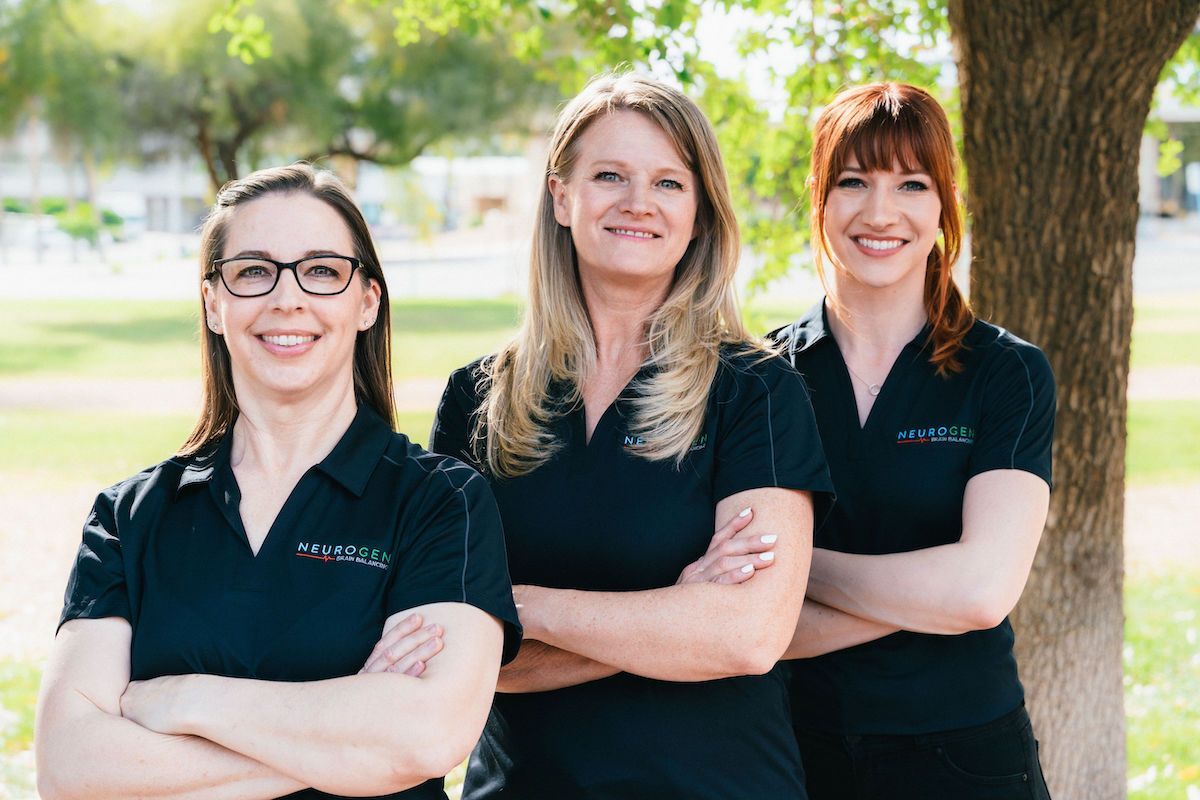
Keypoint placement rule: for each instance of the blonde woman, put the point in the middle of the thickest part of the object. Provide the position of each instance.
(630, 417)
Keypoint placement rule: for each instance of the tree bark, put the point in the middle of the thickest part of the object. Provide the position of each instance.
(1055, 94)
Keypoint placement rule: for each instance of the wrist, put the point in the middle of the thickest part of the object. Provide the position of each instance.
(531, 608)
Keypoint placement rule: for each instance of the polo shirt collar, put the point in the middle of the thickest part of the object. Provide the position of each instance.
(350, 463)
(354, 458)
(807, 331)
(814, 326)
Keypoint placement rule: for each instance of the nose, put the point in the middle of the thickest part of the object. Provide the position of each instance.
(287, 293)
(880, 208)
(636, 198)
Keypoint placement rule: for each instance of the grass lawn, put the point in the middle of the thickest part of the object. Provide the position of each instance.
(147, 339)
(1162, 684)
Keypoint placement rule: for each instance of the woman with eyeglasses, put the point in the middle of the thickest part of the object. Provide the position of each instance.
(220, 637)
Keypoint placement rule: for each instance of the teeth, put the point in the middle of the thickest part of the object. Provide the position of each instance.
(288, 341)
(878, 244)
(635, 234)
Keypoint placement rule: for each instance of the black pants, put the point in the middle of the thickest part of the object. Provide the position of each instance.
(995, 761)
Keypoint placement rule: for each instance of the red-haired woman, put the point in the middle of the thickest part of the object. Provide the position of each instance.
(938, 431)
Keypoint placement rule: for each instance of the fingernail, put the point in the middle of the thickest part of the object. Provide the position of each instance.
(745, 512)
(770, 538)
(432, 628)
(748, 568)
(767, 556)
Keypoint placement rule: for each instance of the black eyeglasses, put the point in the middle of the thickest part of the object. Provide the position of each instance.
(246, 276)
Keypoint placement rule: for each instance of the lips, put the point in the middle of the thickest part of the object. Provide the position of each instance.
(633, 233)
(879, 245)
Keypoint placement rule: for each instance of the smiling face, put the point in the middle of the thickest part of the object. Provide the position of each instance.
(288, 344)
(881, 225)
(630, 201)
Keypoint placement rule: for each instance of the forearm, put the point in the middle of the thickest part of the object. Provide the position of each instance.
(97, 755)
(934, 590)
(822, 629)
(687, 632)
(540, 667)
(354, 735)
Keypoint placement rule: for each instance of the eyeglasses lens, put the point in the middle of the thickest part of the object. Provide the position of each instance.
(249, 277)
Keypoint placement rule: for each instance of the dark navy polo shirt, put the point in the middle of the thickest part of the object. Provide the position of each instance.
(598, 518)
(900, 481)
(379, 526)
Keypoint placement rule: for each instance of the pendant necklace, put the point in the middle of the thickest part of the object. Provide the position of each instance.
(873, 389)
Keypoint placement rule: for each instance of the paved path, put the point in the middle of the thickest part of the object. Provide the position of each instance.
(182, 396)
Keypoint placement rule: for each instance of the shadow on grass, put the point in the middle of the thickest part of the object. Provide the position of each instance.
(141, 330)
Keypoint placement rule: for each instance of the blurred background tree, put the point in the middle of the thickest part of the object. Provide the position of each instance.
(323, 80)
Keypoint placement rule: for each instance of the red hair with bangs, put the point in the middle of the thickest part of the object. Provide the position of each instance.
(884, 125)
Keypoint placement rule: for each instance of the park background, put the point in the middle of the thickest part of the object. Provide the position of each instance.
(119, 119)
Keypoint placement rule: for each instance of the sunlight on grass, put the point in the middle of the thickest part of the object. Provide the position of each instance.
(1162, 684)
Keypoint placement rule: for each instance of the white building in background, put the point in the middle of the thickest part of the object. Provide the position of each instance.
(1177, 194)
(171, 194)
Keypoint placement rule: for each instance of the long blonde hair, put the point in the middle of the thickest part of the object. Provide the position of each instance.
(556, 347)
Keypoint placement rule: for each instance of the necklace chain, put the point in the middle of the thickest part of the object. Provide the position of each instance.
(873, 389)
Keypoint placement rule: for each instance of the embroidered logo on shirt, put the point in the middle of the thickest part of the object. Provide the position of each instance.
(350, 553)
(952, 434)
(699, 443)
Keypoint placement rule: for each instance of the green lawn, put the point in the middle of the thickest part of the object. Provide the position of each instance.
(1162, 684)
(144, 339)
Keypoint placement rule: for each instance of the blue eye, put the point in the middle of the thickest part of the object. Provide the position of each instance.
(850, 183)
(914, 186)
(670, 183)
(606, 177)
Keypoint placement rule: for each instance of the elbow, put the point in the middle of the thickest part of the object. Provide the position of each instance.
(49, 788)
(758, 652)
(983, 610)
(438, 755)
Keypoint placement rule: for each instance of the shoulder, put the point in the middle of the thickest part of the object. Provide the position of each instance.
(429, 472)
(424, 466)
(1000, 354)
(140, 496)
(468, 384)
(751, 369)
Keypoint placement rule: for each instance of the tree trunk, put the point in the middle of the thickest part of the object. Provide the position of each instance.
(1054, 95)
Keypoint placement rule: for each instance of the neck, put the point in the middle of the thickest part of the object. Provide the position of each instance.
(619, 312)
(875, 320)
(286, 436)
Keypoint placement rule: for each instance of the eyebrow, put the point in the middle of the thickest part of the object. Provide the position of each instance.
(861, 171)
(266, 255)
(616, 162)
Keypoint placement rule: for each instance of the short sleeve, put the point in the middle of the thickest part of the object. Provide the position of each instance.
(767, 434)
(452, 548)
(97, 585)
(1016, 420)
(455, 418)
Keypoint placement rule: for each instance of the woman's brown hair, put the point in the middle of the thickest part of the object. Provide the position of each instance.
(372, 359)
(883, 125)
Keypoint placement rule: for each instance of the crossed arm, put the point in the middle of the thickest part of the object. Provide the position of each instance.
(692, 631)
(971, 584)
(192, 736)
